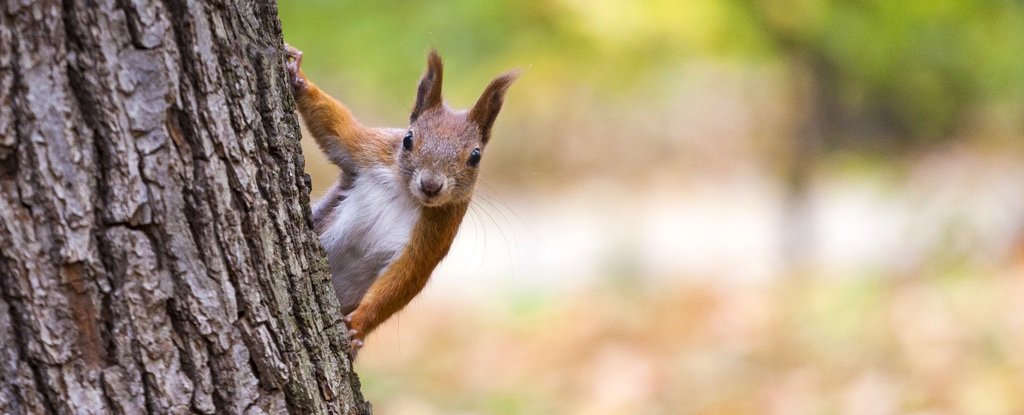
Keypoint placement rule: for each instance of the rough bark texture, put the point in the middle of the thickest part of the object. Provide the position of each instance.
(156, 249)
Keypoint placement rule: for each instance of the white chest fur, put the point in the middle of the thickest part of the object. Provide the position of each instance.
(367, 231)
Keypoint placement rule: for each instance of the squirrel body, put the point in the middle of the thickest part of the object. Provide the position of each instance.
(395, 210)
(365, 232)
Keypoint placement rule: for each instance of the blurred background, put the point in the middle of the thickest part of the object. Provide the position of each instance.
(732, 206)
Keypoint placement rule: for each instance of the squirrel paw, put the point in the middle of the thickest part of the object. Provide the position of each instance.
(355, 340)
(293, 61)
(356, 343)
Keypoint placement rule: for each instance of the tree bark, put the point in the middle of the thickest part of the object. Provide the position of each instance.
(156, 248)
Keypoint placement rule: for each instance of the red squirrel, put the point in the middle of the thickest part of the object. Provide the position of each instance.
(393, 213)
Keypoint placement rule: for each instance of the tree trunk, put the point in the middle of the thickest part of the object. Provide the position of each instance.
(156, 248)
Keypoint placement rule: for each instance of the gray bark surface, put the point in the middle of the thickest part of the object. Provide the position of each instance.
(156, 248)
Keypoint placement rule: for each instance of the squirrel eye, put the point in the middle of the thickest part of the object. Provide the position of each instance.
(474, 157)
(407, 142)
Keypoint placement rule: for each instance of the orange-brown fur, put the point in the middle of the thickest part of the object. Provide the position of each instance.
(407, 275)
(444, 139)
(331, 123)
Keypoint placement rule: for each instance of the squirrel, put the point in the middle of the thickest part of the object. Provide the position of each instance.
(402, 193)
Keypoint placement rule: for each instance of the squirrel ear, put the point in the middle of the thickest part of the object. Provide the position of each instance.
(487, 107)
(428, 94)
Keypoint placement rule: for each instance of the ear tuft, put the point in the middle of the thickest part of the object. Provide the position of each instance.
(487, 107)
(428, 94)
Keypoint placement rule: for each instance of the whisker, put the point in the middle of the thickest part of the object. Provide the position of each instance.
(504, 237)
(494, 197)
(480, 236)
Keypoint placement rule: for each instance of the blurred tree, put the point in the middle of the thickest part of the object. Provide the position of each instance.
(892, 75)
(883, 76)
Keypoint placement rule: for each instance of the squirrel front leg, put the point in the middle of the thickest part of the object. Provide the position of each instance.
(340, 136)
(406, 276)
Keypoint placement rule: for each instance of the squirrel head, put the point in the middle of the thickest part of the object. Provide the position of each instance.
(440, 154)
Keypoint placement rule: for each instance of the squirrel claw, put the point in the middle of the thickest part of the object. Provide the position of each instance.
(354, 347)
(355, 343)
(293, 62)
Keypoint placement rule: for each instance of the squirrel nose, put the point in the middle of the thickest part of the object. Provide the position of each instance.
(431, 185)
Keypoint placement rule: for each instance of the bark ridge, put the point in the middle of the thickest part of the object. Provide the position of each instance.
(156, 248)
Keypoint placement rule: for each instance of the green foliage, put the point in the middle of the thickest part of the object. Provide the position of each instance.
(919, 65)
(383, 44)
(916, 68)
